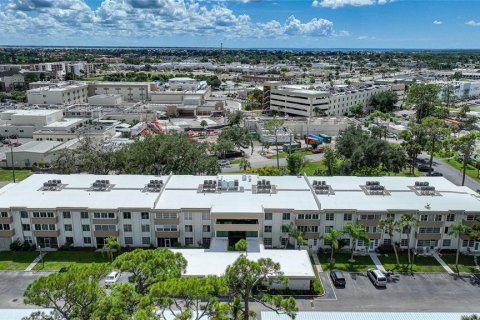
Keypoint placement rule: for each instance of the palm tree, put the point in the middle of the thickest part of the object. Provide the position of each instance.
(333, 236)
(390, 227)
(203, 124)
(273, 126)
(358, 233)
(409, 222)
(295, 234)
(456, 230)
(111, 243)
(244, 164)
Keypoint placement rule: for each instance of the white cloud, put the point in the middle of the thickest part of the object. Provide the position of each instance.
(334, 4)
(145, 19)
(437, 22)
(473, 23)
(365, 38)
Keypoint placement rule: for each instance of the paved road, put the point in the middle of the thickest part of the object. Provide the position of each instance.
(452, 174)
(270, 162)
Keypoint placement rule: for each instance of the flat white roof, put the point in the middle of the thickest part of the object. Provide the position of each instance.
(292, 193)
(37, 146)
(268, 315)
(34, 112)
(293, 263)
(65, 122)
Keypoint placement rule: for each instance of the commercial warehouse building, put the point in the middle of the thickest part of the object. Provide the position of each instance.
(50, 210)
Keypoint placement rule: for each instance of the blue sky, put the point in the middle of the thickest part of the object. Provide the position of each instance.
(435, 24)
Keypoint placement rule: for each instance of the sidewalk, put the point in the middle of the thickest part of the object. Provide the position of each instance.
(377, 262)
(317, 263)
(35, 261)
(444, 265)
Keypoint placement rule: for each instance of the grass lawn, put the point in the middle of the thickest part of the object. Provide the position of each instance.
(361, 264)
(471, 171)
(16, 260)
(56, 259)
(421, 263)
(286, 154)
(320, 290)
(6, 175)
(465, 263)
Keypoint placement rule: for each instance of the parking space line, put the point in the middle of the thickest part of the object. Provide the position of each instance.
(331, 286)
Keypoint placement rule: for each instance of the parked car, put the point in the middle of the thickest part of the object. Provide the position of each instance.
(423, 168)
(223, 163)
(16, 144)
(112, 278)
(338, 278)
(391, 135)
(435, 174)
(377, 277)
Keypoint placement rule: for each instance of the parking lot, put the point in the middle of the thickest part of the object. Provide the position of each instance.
(422, 292)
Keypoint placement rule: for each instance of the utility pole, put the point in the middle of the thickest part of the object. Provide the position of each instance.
(13, 165)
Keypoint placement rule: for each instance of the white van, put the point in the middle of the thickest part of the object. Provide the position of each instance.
(112, 278)
(377, 277)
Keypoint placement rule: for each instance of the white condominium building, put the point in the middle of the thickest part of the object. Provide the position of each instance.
(140, 210)
(307, 101)
(61, 93)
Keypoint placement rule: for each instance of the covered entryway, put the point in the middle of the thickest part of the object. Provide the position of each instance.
(166, 242)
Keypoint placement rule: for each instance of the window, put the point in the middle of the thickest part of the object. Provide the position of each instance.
(286, 216)
(205, 215)
(127, 215)
(327, 229)
(104, 215)
(188, 228)
(387, 242)
(105, 227)
(268, 216)
(284, 241)
(69, 240)
(404, 243)
(446, 230)
(44, 227)
(369, 217)
(187, 216)
(4, 226)
(188, 241)
(128, 241)
(429, 230)
(85, 227)
(347, 217)
(470, 217)
(145, 228)
(87, 240)
(267, 229)
(267, 242)
(25, 227)
(284, 228)
(450, 217)
(360, 243)
(145, 216)
(391, 216)
(166, 227)
(446, 243)
(468, 243)
(24, 214)
(206, 228)
(327, 243)
(308, 228)
(28, 239)
(43, 215)
(345, 242)
(146, 240)
(431, 217)
(4, 214)
(371, 229)
(67, 215)
(84, 215)
(206, 241)
(68, 227)
(329, 217)
(166, 215)
(127, 228)
(301, 216)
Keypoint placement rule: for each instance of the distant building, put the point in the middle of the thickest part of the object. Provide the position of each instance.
(11, 79)
(109, 100)
(60, 93)
(309, 101)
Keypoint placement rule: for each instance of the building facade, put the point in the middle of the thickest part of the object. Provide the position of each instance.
(308, 102)
(62, 93)
(51, 210)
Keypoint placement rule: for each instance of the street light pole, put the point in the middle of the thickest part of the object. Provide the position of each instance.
(13, 165)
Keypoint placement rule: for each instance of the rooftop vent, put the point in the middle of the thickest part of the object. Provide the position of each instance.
(264, 186)
(52, 185)
(209, 186)
(321, 187)
(423, 188)
(101, 185)
(375, 188)
(154, 186)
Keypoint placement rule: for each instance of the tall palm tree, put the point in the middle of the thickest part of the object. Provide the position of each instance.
(409, 222)
(456, 230)
(358, 233)
(333, 236)
(390, 226)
